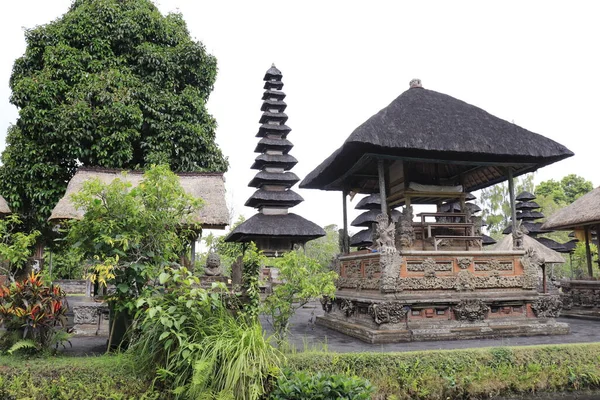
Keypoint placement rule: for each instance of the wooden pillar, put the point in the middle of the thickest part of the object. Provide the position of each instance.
(544, 278)
(382, 193)
(598, 243)
(511, 195)
(588, 253)
(346, 244)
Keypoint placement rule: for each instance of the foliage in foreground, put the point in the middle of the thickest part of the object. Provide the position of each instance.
(33, 315)
(15, 246)
(196, 346)
(473, 374)
(304, 386)
(113, 84)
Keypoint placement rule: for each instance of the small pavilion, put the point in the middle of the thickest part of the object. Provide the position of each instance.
(430, 278)
(4, 208)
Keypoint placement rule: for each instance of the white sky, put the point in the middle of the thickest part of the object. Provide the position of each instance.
(535, 63)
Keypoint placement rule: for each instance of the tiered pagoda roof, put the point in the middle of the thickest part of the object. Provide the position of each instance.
(273, 228)
(528, 214)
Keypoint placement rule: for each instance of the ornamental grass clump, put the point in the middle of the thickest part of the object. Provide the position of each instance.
(198, 347)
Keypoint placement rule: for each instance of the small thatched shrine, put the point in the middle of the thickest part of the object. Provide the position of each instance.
(4, 209)
(429, 278)
(274, 229)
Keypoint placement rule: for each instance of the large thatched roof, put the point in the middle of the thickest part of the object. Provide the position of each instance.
(443, 137)
(210, 187)
(550, 256)
(286, 226)
(583, 211)
(4, 209)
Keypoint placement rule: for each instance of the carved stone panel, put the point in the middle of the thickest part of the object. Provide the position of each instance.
(388, 312)
(471, 310)
(428, 264)
(493, 265)
(547, 307)
(390, 271)
(352, 269)
(464, 262)
(464, 281)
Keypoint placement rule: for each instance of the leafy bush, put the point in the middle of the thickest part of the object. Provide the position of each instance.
(15, 247)
(33, 310)
(304, 386)
(196, 345)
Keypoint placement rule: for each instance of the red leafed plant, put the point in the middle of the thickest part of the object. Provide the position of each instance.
(36, 310)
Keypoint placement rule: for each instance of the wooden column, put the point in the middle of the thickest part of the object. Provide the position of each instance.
(511, 195)
(598, 243)
(588, 253)
(345, 246)
(382, 193)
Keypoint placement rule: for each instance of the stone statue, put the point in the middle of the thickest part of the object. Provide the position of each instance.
(517, 234)
(213, 264)
(386, 232)
(406, 234)
(343, 242)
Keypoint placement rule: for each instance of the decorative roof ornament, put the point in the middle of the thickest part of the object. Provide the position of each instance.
(415, 83)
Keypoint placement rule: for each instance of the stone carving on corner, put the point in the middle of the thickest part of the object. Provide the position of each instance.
(464, 262)
(326, 303)
(493, 265)
(429, 264)
(388, 312)
(464, 281)
(532, 262)
(547, 307)
(213, 265)
(385, 234)
(518, 232)
(347, 307)
(405, 232)
(390, 271)
(471, 310)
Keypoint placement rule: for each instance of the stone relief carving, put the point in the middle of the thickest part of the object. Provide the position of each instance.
(588, 298)
(517, 234)
(386, 234)
(372, 268)
(326, 303)
(347, 307)
(429, 271)
(428, 264)
(405, 231)
(390, 271)
(493, 265)
(388, 312)
(464, 281)
(213, 264)
(471, 310)
(464, 262)
(531, 263)
(352, 270)
(547, 307)
(87, 314)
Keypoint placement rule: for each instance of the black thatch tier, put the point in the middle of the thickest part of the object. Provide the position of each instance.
(455, 207)
(269, 85)
(552, 244)
(273, 73)
(269, 116)
(273, 94)
(532, 227)
(527, 205)
(529, 215)
(369, 217)
(362, 238)
(470, 196)
(281, 226)
(525, 196)
(284, 161)
(283, 145)
(270, 104)
(270, 129)
(283, 198)
(371, 202)
(487, 240)
(571, 245)
(431, 129)
(286, 179)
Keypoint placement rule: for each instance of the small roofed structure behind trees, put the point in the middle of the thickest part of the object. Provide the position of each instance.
(274, 229)
(4, 208)
(582, 216)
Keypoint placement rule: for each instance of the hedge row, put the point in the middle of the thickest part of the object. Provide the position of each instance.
(469, 374)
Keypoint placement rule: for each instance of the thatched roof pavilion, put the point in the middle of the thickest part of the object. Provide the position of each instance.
(583, 215)
(273, 228)
(210, 187)
(550, 256)
(4, 209)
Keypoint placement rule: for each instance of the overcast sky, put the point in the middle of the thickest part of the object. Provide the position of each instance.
(535, 63)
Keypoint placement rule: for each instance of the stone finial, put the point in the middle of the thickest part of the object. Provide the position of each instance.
(415, 83)
(213, 264)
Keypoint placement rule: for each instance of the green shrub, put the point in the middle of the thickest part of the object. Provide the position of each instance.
(304, 386)
(196, 346)
(33, 311)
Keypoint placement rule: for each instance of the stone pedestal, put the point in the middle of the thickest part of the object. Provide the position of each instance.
(580, 298)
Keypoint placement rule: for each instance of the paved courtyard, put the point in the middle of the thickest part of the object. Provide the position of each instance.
(306, 335)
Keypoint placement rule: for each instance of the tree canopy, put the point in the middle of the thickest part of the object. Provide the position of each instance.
(569, 189)
(111, 83)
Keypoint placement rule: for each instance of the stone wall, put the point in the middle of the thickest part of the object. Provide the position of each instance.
(72, 286)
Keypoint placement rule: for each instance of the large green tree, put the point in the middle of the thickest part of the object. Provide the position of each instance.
(111, 83)
(565, 191)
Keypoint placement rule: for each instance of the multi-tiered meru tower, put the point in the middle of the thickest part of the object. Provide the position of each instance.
(274, 229)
